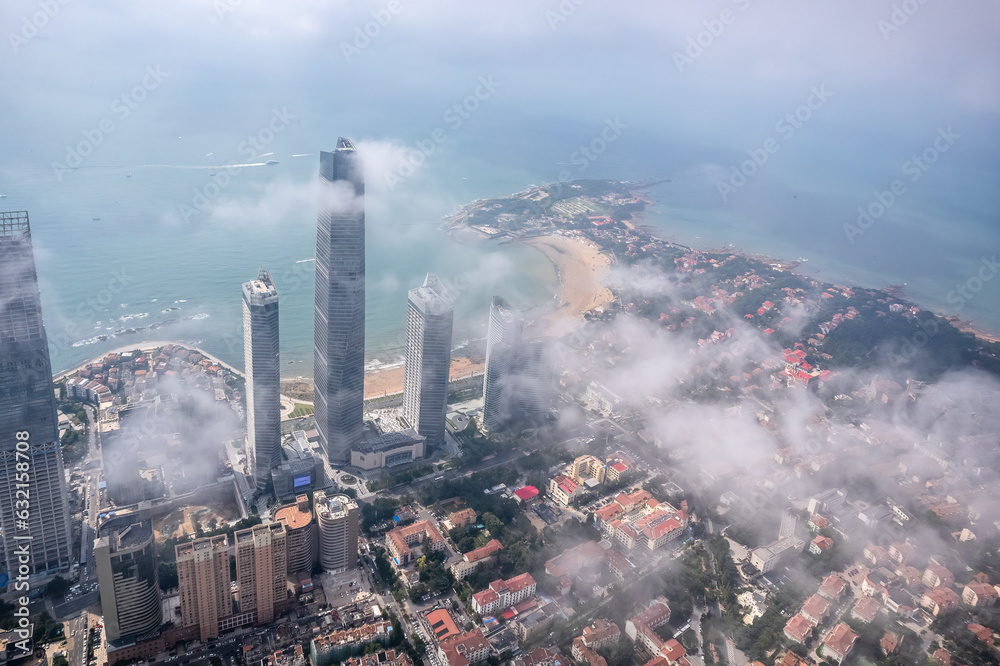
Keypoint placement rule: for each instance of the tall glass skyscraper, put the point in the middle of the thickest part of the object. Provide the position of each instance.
(504, 341)
(339, 328)
(430, 310)
(263, 376)
(32, 484)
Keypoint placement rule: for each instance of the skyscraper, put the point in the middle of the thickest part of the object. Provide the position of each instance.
(127, 575)
(337, 516)
(263, 376)
(261, 576)
(31, 465)
(203, 580)
(339, 328)
(504, 339)
(429, 313)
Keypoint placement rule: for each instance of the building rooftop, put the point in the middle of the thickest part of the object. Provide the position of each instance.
(295, 516)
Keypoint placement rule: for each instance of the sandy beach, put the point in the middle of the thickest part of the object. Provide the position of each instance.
(387, 382)
(581, 268)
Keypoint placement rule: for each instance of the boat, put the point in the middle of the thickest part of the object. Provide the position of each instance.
(271, 162)
(128, 175)
(97, 219)
(3, 196)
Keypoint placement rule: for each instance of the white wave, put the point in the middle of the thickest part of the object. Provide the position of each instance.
(154, 300)
(183, 300)
(302, 261)
(303, 155)
(200, 316)
(138, 315)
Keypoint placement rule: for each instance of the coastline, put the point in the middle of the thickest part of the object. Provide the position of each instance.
(581, 268)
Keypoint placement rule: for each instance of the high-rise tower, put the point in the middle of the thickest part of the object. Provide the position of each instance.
(263, 376)
(31, 465)
(337, 516)
(339, 328)
(127, 574)
(504, 340)
(203, 580)
(429, 313)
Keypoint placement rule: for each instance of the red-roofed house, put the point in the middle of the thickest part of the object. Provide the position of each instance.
(833, 587)
(798, 628)
(866, 609)
(938, 576)
(815, 608)
(940, 599)
(820, 545)
(979, 594)
(839, 642)
(982, 633)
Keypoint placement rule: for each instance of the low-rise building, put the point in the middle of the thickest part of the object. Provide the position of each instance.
(936, 575)
(979, 594)
(833, 587)
(798, 628)
(839, 642)
(502, 594)
(940, 599)
(401, 541)
(866, 609)
(564, 490)
(464, 649)
(641, 628)
(336, 646)
(815, 608)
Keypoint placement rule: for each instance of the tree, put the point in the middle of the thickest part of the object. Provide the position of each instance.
(56, 587)
(60, 661)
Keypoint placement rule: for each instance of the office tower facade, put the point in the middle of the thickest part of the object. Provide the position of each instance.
(504, 340)
(31, 464)
(339, 327)
(128, 579)
(203, 579)
(261, 563)
(338, 519)
(263, 377)
(430, 311)
(300, 535)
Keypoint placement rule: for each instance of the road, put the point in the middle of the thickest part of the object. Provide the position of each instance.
(77, 637)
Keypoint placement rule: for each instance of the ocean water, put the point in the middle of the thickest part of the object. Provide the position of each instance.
(116, 252)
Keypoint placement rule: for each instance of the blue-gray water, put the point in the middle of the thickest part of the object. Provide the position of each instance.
(541, 88)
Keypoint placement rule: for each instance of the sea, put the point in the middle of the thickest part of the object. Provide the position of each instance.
(154, 244)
